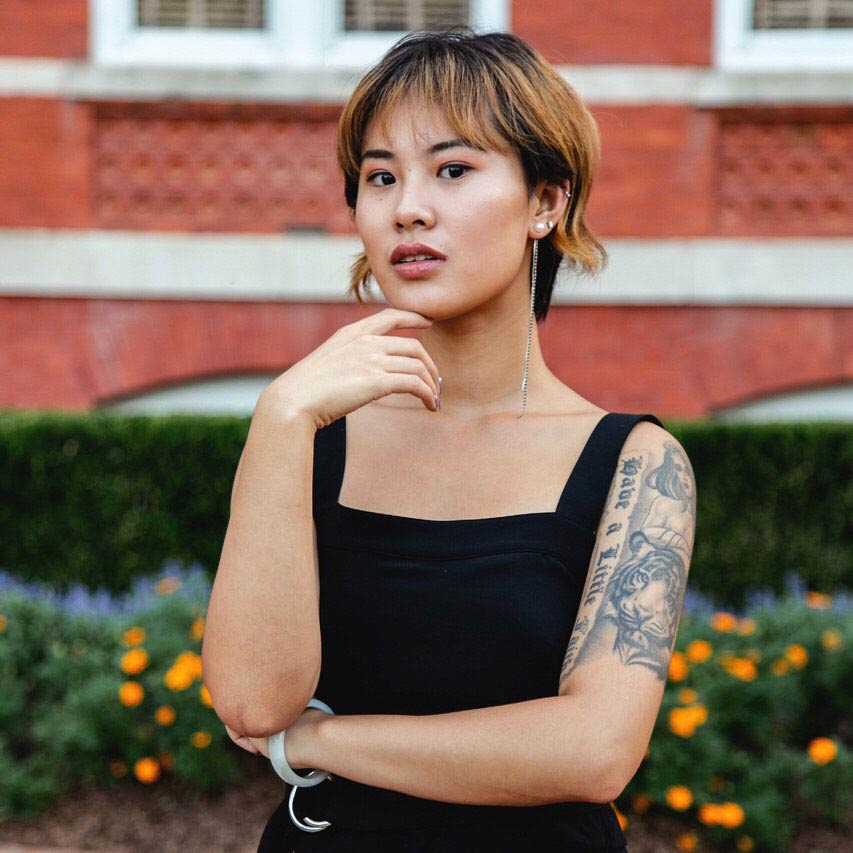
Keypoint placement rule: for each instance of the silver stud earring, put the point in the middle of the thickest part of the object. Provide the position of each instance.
(550, 224)
(533, 267)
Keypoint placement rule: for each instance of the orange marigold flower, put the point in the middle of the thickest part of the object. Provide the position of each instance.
(683, 721)
(623, 821)
(167, 586)
(687, 841)
(2, 623)
(191, 661)
(779, 666)
(709, 814)
(165, 715)
(679, 797)
(818, 600)
(640, 803)
(822, 750)
(118, 768)
(741, 668)
(797, 655)
(204, 695)
(698, 713)
(724, 621)
(197, 628)
(201, 740)
(687, 695)
(831, 639)
(147, 770)
(134, 636)
(131, 694)
(678, 667)
(699, 650)
(731, 815)
(177, 679)
(166, 759)
(746, 627)
(134, 661)
(745, 844)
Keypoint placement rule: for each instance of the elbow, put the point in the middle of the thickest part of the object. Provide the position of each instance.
(611, 781)
(262, 716)
(606, 790)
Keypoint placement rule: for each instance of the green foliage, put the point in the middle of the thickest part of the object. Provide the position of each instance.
(61, 717)
(98, 498)
(775, 682)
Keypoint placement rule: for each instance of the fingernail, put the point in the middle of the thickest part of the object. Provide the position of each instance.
(438, 404)
(439, 384)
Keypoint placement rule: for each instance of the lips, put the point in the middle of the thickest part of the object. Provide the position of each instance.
(411, 250)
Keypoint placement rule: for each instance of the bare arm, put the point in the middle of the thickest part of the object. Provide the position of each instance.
(553, 749)
(261, 650)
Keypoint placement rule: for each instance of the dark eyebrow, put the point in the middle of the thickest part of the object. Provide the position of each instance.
(384, 154)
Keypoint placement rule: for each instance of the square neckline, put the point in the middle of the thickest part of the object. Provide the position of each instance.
(458, 522)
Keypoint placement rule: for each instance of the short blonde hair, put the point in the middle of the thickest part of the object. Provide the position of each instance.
(498, 93)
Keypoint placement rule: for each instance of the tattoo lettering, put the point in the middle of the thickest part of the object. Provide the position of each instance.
(638, 590)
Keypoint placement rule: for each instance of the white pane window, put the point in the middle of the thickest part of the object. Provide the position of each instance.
(783, 35)
(350, 34)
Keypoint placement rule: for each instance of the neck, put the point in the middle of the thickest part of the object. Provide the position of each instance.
(481, 362)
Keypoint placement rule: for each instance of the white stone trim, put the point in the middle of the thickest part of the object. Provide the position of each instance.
(597, 84)
(298, 33)
(313, 267)
(738, 47)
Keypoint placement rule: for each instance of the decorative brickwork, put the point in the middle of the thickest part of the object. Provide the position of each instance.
(783, 173)
(236, 168)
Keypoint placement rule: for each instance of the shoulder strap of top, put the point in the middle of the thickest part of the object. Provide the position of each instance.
(329, 457)
(586, 491)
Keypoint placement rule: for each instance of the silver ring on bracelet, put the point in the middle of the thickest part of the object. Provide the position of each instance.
(278, 759)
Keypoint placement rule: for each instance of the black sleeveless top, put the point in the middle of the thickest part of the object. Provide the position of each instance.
(422, 616)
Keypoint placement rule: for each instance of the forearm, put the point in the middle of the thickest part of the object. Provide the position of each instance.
(522, 754)
(261, 650)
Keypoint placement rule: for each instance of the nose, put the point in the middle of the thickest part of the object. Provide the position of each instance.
(413, 207)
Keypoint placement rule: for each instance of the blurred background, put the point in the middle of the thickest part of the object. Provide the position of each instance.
(173, 236)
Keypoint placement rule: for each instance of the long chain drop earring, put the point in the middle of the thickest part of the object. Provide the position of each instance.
(540, 228)
(533, 266)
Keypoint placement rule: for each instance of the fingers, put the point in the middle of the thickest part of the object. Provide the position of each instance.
(427, 390)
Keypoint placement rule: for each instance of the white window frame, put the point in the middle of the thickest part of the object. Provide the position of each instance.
(738, 47)
(298, 33)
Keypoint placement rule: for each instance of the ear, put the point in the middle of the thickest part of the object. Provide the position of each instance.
(549, 202)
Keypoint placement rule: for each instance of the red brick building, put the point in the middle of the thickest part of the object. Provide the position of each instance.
(173, 232)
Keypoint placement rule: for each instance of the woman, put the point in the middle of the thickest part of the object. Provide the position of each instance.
(499, 598)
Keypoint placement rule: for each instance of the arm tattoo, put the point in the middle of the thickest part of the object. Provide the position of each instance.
(636, 585)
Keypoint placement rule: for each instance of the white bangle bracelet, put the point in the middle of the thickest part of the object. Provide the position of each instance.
(278, 759)
(275, 744)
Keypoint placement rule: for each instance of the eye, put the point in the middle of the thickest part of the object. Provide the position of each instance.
(455, 166)
(370, 179)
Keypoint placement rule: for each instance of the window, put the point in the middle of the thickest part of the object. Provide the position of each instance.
(784, 35)
(209, 14)
(270, 33)
(401, 15)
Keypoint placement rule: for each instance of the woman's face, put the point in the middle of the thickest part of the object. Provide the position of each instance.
(469, 206)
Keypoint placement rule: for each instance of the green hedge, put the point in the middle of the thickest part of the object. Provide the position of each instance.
(100, 498)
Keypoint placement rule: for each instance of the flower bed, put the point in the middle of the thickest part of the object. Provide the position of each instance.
(752, 740)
